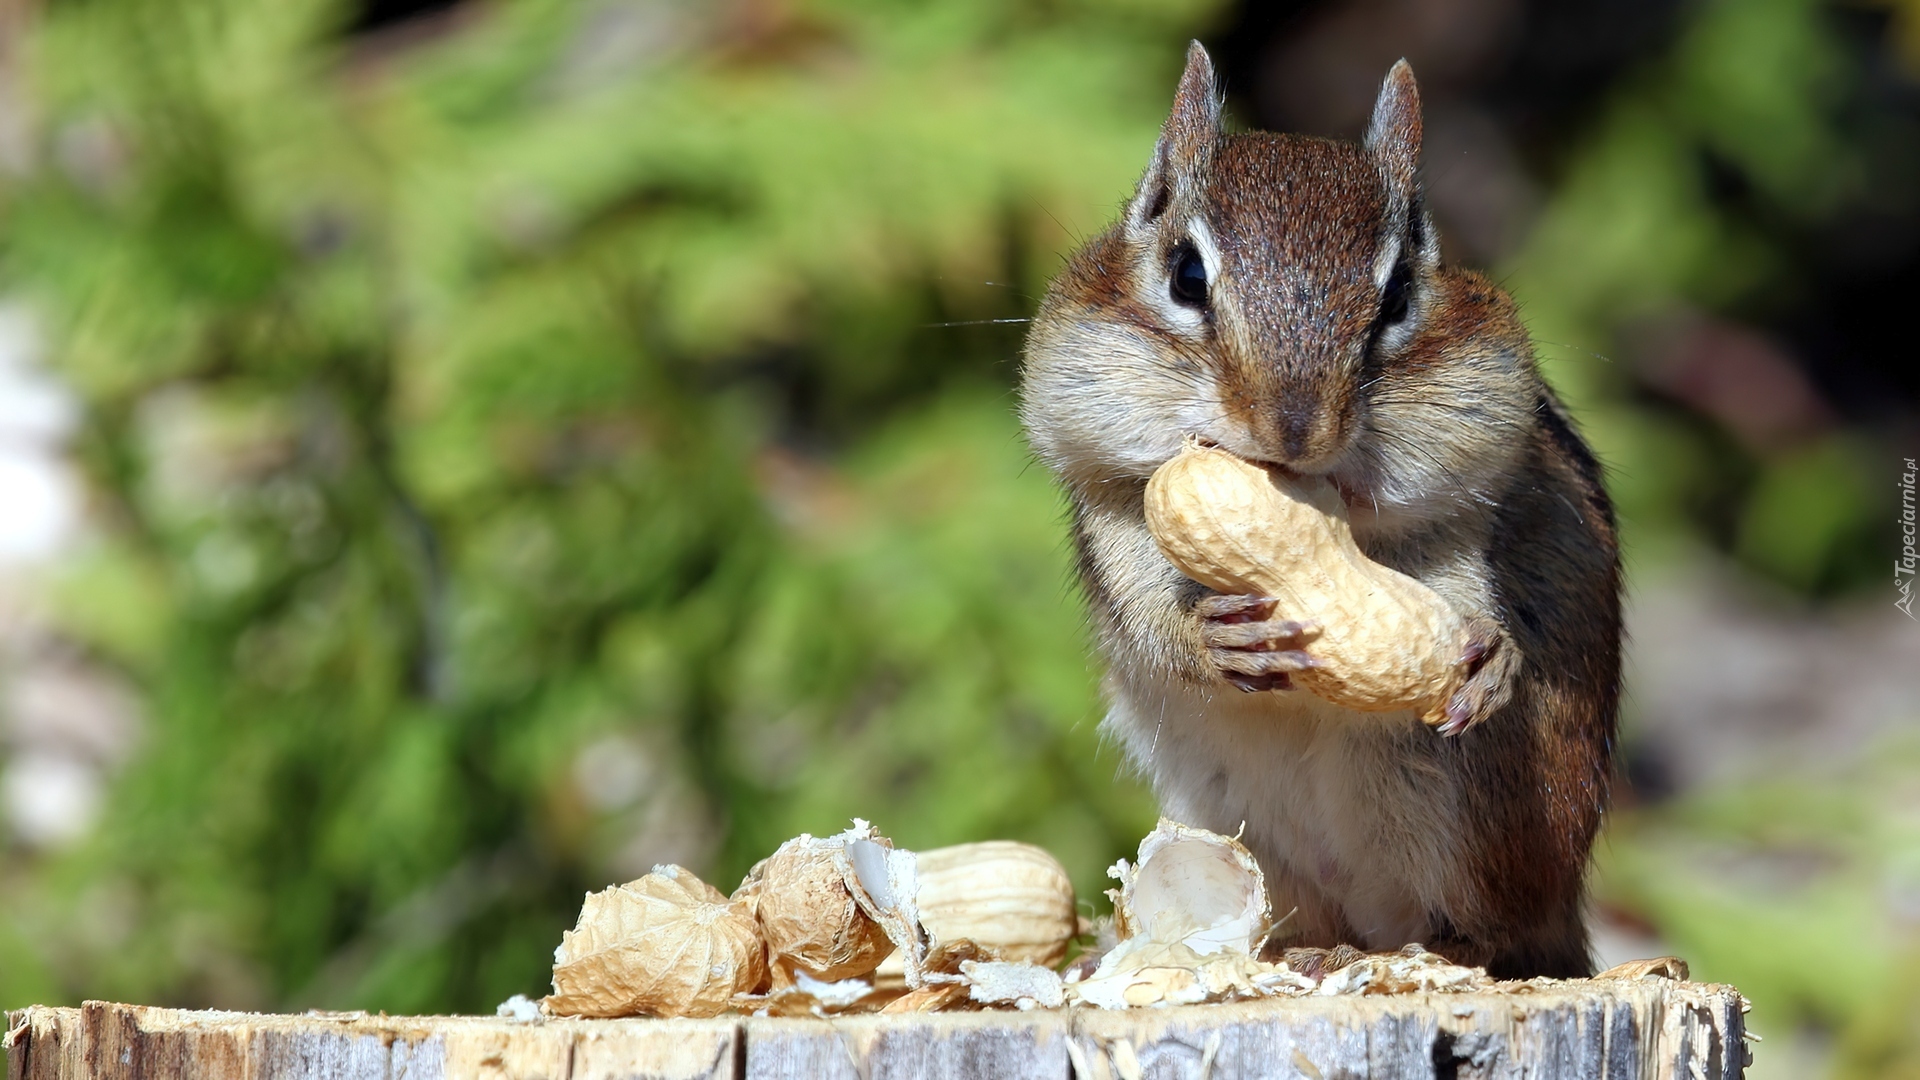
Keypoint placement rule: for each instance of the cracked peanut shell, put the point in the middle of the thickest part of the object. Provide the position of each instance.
(810, 918)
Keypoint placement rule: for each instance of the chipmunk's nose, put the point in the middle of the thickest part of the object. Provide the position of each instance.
(1298, 421)
(1289, 398)
(1302, 430)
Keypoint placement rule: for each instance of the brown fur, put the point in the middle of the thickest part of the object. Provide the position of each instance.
(1459, 468)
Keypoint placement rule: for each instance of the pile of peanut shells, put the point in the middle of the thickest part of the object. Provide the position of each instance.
(850, 923)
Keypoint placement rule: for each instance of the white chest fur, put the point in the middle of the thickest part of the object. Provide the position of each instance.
(1350, 814)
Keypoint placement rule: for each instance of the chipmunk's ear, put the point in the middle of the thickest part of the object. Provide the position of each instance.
(1186, 139)
(1393, 137)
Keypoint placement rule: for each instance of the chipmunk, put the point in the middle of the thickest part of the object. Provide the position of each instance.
(1283, 297)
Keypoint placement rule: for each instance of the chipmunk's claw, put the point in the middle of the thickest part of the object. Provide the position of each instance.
(1235, 609)
(1249, 647)
(1475, 652)
(1254, 684)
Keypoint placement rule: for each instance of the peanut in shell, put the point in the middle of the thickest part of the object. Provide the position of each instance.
(1014, 899)
(1387, 642)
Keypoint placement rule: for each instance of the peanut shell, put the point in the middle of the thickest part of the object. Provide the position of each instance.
(1197, 888)
(811, 920)
(667, 944)
(1014, 899)
(1387, 642)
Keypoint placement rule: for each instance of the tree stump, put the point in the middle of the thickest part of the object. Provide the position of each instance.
(1649, 1028)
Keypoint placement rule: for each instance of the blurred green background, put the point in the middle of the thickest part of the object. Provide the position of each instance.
(493, 448)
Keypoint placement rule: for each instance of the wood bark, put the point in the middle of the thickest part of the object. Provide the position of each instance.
(1641, 1029)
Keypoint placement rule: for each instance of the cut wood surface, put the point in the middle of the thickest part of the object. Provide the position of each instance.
(1648, 1028)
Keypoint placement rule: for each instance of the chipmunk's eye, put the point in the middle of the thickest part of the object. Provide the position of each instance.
(1189, 280)
(1394, 299)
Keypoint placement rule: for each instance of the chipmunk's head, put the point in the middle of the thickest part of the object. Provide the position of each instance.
(1253, 293)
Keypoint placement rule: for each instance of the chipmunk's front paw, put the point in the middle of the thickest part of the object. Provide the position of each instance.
(1249, 647)
(1488, 686)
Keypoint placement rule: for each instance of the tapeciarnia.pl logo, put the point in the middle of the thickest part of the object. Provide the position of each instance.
(1904, 565)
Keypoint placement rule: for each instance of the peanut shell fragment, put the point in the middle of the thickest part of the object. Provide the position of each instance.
(1192, 914)
(1387, 642)
(1195, 888)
